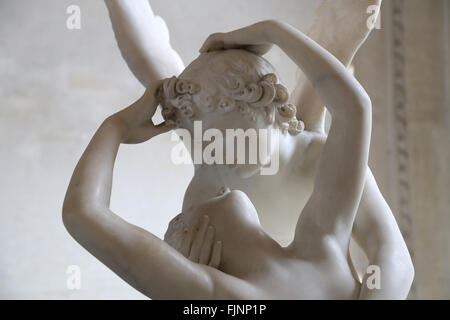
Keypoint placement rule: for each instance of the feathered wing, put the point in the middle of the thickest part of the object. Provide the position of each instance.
(143, 40)
(341, 27)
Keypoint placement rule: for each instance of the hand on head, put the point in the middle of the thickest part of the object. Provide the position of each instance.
(250, 38)
(135, 122)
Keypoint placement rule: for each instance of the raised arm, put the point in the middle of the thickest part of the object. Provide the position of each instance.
(375, 227)
(143, 39)
(377, 232)
(137, 256)
(342, 166)
(341, 172)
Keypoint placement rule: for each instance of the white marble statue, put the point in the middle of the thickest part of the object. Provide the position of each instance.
(222, 246)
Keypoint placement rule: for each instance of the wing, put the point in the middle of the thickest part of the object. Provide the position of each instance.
(341, 27)
(143, 40)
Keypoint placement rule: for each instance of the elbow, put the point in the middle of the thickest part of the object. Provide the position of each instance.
(359, 111)
(69, 223)
(68, 218)
(72, 212)
(343, 96)
(405, 276)
(67, 214)
(362, 104)
(400, 272)
(364, 101)
(69, 211)
(408, 271)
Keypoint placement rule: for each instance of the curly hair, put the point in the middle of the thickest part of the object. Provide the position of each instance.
(231, 81)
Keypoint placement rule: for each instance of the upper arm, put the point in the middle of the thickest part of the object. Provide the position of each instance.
(340, 177)
(375, 222)
(144, 261)
(376, 231)
(310, 108)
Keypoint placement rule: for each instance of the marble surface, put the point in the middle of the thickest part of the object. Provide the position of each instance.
(57, 85)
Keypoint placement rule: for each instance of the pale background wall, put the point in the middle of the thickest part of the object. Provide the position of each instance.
(57, 85)
(405, 69)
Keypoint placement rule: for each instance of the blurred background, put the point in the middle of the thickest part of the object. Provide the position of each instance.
(58, 84)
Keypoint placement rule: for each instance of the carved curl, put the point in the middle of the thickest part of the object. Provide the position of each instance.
(175, 96)
(265, 96)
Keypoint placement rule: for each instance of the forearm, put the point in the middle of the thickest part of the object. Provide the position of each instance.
(86, 213)
(139, 257)
(121, 246)
(349, 137)
(90, 186)
(391, 277)
(376, 231)
(348, 141)
(337, 88)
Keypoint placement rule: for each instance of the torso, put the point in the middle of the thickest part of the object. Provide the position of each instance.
(279, 200)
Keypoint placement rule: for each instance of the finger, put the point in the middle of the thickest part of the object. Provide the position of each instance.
(213, 42)
(206, 44)
(216, 255)
(153, 87)
(259, 49)
(215, 45)
(205, 253)
(198, 239)
(163, 127)
(149, 97)
(187, 240)
(148, 131)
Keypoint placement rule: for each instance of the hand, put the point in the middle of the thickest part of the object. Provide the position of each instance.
(135, 122)
(252, 38)
(199, 244)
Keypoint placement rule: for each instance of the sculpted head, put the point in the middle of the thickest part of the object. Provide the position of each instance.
(229, 89)
(228, 84)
